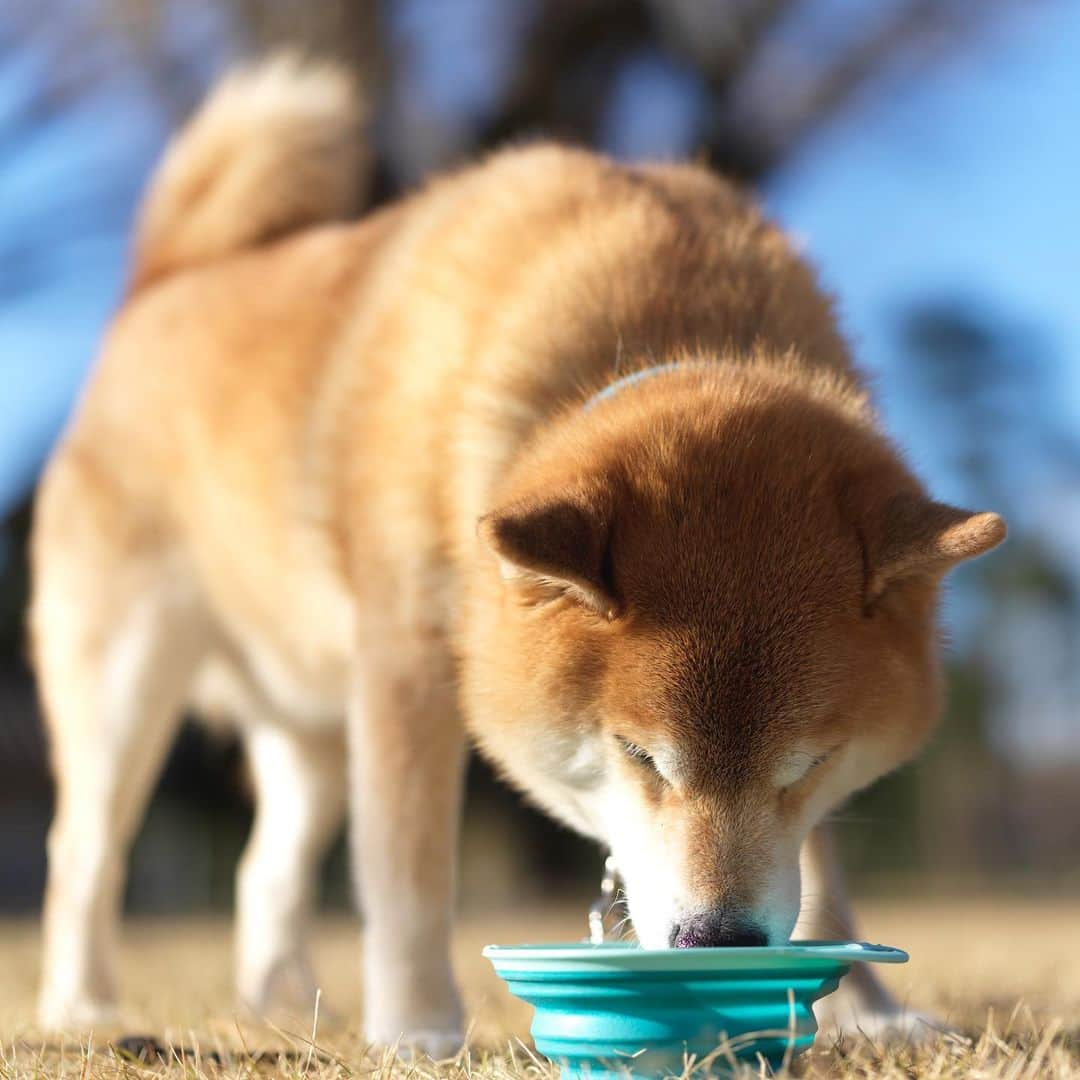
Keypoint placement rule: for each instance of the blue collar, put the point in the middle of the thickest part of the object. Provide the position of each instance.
(634, 378)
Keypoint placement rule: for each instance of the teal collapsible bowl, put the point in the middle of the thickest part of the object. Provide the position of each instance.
(608, 1010)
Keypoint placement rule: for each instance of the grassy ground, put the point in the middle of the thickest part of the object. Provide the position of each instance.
(1005, 974)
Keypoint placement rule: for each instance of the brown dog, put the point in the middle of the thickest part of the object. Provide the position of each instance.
(697, 613)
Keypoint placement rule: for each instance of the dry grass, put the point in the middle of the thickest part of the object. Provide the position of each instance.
(1006, 974)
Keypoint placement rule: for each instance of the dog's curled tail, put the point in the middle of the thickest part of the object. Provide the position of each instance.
(275, 147)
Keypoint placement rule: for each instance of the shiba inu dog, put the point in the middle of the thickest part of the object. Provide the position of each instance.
(564, 453)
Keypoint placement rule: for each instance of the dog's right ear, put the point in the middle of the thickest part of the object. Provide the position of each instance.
(562, 542)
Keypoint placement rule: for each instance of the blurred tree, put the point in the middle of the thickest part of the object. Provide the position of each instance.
(773, 71)
(769, 72)
(988, 387)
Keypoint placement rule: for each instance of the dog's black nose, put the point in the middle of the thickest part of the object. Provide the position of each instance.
(716, 929)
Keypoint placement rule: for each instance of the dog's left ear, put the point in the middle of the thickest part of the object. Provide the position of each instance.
(561, 541)
(922, 538)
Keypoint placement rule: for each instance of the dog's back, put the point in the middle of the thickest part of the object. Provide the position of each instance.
(303, 408)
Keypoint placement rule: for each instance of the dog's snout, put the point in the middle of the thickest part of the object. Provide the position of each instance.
(716, 929)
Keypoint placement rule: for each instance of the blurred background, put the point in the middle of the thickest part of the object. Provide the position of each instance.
(925, 152)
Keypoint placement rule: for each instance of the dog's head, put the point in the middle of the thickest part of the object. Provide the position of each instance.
(709, 617)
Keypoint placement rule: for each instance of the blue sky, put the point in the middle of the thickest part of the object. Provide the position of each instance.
(965, 182)
(66, 198)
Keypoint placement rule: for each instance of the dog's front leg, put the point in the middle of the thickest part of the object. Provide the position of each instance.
(406, 759)
(862, 1007)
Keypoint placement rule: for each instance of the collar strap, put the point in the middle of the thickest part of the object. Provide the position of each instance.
(636, 377)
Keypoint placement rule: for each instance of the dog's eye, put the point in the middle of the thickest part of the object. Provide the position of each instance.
(795, 769)
(638, 753)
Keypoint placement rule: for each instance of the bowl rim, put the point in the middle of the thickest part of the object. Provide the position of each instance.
(633, 956)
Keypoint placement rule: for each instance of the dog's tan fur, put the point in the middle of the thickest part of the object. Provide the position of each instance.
(349, 482)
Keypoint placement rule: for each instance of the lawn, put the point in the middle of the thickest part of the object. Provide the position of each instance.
(1005, 974)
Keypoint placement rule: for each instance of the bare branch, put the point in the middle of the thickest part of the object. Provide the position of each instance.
(787, 98)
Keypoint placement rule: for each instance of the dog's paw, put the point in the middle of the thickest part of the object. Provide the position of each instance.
(415, 1012)
(433, 1043)
(283, 991)
(71, 1014)
(847, 1023)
